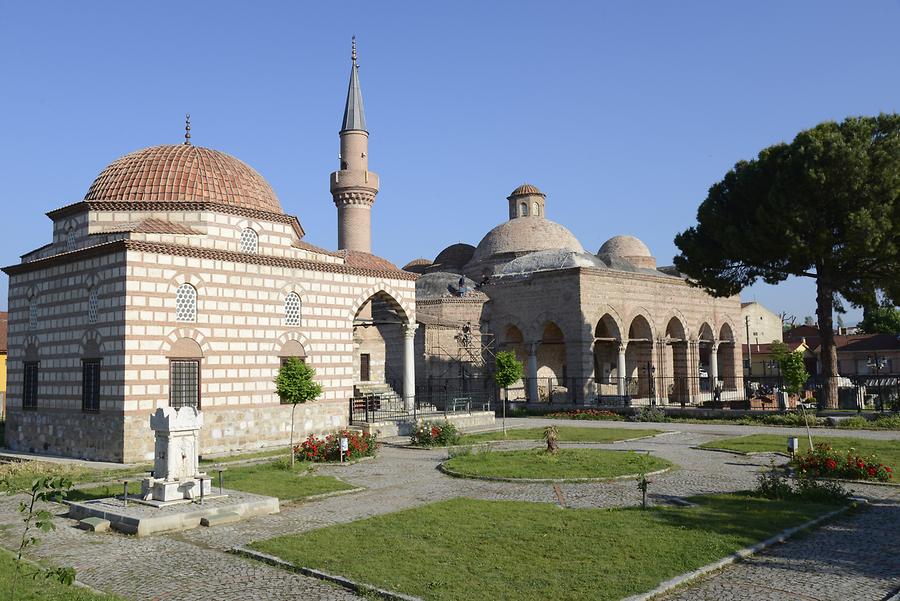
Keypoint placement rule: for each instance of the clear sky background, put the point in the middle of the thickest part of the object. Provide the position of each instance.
(623, 113)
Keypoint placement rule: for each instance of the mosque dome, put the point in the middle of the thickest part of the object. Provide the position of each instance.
(629, 248)
(520, 236)
(548, 260)
(184, 173)
(417, 265)
(455, 256)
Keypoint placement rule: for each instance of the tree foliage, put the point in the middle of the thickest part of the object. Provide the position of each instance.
(296, 383)
(881, 319)
(792, 368)
(824, 206)
(508, 369)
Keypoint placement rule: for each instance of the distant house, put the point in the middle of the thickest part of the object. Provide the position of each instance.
(857, 354)
(759, 360)
(759, 324)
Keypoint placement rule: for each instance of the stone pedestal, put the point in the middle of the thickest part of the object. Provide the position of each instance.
(176, 471)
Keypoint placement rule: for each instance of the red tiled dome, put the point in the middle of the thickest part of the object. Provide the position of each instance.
(184, 173)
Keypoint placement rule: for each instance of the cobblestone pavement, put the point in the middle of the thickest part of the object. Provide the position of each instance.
(193, 564)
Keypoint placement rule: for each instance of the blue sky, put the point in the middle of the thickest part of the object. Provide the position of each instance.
(623, 113)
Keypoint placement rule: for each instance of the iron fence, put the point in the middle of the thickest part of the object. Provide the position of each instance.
(434, 403)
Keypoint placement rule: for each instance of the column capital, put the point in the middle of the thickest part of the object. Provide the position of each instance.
(621, 345)
(409, 329)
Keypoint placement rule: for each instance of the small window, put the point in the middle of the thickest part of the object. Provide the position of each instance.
(536, 210)
(249, 241)
(32, 314)
(524, 209)
(30, 388)
(70, 239)
(184, 383)
(90, 385)
(292, 310)
(186, 303)
(93, 305)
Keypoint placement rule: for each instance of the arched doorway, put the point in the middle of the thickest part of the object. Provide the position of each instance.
(511, 339)
(639, 368)
(551, 361)
(674, 364)
(725, 359)
(705, 339)
(608, 374)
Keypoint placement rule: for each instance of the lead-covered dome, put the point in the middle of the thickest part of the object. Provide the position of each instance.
(184, 173)
(520, 236)
(629, 248)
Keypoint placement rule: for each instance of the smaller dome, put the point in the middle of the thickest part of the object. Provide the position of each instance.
(440, 284)
(417, 265)
(549, 260)
(628, 248)
(624, 246)
(525, 190)
(455, 255)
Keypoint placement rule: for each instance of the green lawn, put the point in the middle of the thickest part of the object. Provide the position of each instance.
(30, 589)
(18, 475)
(566, 434)
(888, 451)
(275, 479)
(268, 453)
(567, 463)
(465, 549)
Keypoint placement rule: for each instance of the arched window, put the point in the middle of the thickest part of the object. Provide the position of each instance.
(186, 303)
(70, 239)
(292, 309)
(523, 208)
(93, 305)
(249, 241)
(32, 314)
(536, 210)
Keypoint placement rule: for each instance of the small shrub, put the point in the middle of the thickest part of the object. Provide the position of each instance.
(792, 418)
(821, 491)
(551, 437)
(825, 462)
(434, 434)
(773, 484)
(587, 414)
(886, 422)
(650, 414)
(329, 449)
(461, 451)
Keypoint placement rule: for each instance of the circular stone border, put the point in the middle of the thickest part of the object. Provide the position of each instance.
(442, 467)
(561, 442)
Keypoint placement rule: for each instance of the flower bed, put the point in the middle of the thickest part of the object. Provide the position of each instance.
(329, 448)
(825, 462)
(434, 434)
(587, 414)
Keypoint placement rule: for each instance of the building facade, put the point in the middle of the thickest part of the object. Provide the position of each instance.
(179, 280)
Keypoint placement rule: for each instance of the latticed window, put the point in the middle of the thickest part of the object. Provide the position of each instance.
(93, 305)
(186, 303)
(70, 239)
(184, 383)
(292, 310)
(90, 385)
(249, 241)
(33, 314)
(30, 388)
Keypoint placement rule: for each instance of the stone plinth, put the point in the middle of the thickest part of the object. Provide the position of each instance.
(176, 471)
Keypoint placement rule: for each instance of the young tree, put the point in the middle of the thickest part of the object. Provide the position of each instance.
(507, 371)
(825, 206)
(880, 319)
(296, 384)
(792, 368)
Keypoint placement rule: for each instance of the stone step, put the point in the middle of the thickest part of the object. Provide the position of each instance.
(94, 524)
(226, 517)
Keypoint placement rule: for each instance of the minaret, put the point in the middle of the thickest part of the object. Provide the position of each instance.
(354, 187)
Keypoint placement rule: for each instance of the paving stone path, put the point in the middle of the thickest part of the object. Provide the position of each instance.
(838, 560)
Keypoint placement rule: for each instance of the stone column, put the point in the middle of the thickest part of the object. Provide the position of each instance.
(532, 372)
(714, 366)
(620, 368)
(409, 365)
(693, 363)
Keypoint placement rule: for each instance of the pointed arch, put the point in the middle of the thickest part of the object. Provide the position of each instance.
(388, 294)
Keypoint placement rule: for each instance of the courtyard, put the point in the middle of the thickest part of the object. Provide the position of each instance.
(398, 510)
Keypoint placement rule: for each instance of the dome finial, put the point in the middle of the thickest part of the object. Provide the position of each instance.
(353, 53)
(187, 129)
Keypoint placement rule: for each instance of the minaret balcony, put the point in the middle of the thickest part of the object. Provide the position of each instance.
(354, 179)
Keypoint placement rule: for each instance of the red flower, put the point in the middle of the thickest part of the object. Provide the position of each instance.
(831, 464)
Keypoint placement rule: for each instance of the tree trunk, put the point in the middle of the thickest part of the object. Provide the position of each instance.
(293, 406)
(827, 350)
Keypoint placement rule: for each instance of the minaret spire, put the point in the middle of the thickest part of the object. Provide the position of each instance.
(353, 186)
(354, 116)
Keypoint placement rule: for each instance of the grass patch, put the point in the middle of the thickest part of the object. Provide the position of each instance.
(277, 479)
(566, 434)
(567, 463)
(464, 548)
(268, 453)
(888, 451)
(31, 589)
(18, 475)
(102, 492)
